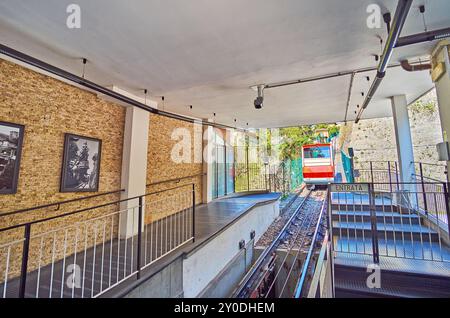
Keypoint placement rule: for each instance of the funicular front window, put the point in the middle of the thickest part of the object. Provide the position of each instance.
(316, 152)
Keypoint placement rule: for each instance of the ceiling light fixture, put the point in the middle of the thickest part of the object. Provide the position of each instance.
(84, 66)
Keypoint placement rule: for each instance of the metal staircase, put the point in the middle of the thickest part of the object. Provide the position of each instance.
(372, 231)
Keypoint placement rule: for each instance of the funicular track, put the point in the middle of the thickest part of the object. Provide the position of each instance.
(299, 226)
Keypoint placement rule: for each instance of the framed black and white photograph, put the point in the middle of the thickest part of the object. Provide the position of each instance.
(11, 138)
(81, 164)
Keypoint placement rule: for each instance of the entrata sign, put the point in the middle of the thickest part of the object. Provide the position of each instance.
(350, 187)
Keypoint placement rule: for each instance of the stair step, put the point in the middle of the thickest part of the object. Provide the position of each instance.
(391, 231)
(382, 217)
(347, 289)
(359, 198)
(426, 250)
(352, 280)
(351, 289)
(350, 206)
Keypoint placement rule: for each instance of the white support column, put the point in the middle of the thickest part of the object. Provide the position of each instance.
(441, 78)
(403, 140)
(134, 167)
(208, 161)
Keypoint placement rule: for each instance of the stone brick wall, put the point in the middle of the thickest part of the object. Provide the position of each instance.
(374, 139)
(49, 108)
(161, 167)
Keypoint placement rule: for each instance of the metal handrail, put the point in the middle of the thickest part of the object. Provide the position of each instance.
(164, 190)
(383, 161)
(429, 178)
(419, 176)
(430, 164)
(431, 205)
(392, 161)
(301, 281)
(176, 179)
(89, 208)
(315, 282)
(269, 249)
(60, 202)
(401, 182)
(27, 232)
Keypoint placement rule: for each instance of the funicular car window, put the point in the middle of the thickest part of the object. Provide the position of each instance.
(316, 152)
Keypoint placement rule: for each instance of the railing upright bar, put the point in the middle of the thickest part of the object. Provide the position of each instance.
(371, 172)
(139, 234)
(447, 208)
(24, 265)
(270, 179)
(193, 212)
(246, 166)
(425, 206)
(265, 177)
(330, 233)
(217, 173)
(390, 177)
(225, 168)
(373, 225)
(396, 175)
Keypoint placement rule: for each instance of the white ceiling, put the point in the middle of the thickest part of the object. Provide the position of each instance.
(208, 53)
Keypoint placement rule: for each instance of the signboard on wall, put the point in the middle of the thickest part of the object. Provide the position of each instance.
(349, 187)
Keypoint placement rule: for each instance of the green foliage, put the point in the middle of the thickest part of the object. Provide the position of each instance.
(423, 107)
(295, 137)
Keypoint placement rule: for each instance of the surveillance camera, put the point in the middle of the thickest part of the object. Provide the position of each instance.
(259, 102)
(260, 99)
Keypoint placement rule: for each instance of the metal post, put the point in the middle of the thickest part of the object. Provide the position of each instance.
(288, 179)
(139, 246)
(270, 180)
(234, 168)
(371, 172)
(193, 212)
(246, 165)
(373, 225)
(390, 177)
(284, 184)
(446, 199)
(396, 175)
(330, 233)
(217, 172)
(265, 176)
(225, 167)
(24, 266)
(330, 215)
(352, 170)
(423, 189)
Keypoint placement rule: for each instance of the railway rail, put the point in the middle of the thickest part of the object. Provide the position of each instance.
(293, 232)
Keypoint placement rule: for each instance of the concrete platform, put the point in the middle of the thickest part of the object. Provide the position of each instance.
(211, 218)
(220, 225)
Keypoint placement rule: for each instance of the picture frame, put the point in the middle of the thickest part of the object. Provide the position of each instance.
(11, 143)
(80, 170)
